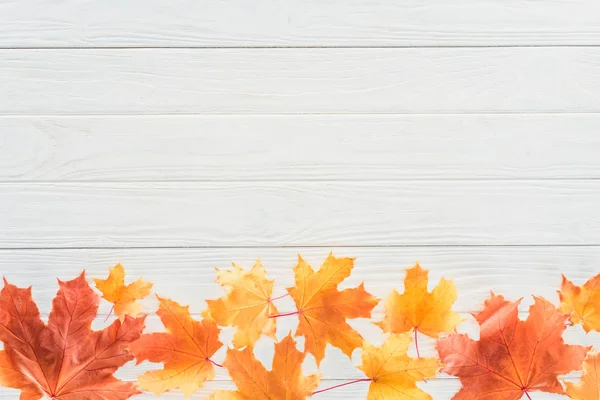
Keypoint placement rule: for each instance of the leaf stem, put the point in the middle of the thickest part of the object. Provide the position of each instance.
(417, 342)
(284, 314)
(528, 396)
(342, 384)
(214, 363)
(279, 297)
(109, 313)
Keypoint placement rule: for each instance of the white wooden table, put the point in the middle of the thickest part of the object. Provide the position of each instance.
(179, 136)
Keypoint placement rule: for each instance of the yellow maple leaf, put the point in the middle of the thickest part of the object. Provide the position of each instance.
(246, 306)
(124, 298)
(323, 309)
(418, 309)
(589, 386)
(254, 382)
(225, 395)
(185, 350)
(582, 303)
(393, 374)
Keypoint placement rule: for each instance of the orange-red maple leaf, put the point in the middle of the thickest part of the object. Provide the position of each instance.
(64, 359)
(185, 350)
(247, 305)
(124, 297)
(582, 303)
(512, 357)
(323, 309)
(285, 381)
(589, 386)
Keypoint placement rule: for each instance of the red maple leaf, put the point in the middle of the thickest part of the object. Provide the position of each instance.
(512, 357)
(64, 359)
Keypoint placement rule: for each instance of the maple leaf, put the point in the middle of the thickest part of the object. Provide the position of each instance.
(589, 387)
(323, 309)
(416, 308)
(123, 297)
(512, 357)
(185, 350)
(225, 395)
(63, 359)
(247, 305)
(254, 382)
(582, 303)
(392, 373)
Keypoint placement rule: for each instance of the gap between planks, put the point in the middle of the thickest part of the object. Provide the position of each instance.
(275, 47)
(392, 246)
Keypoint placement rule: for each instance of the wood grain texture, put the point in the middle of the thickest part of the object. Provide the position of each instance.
(72, 23)
(336, 365)
(179, 137)
(187, 275)
(383, 213)
(296, 81)
(299, 147)
(441, 389)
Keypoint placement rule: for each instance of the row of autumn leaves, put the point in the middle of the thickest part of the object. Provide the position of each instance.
(65, 359)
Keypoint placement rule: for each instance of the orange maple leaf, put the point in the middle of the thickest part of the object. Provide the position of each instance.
(582, 303)
(64, 359)
(512, 357)
(416, 308)
(226, 395)
(392, 373)
(589, 386)
(247, 305)
(185, 350)
(323, 309)
(124, 298)
(254, 382)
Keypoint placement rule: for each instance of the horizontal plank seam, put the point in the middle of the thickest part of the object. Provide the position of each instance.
(300, 246)
(283, 47)
(349, 113)
(523, 314)
(292, 115)
(297, 180)
(102, 316)
(441, 377)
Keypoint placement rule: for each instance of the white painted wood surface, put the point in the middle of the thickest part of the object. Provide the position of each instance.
(299, 147)
(327, 213)
(297, 81)
(188, 275)
(179, 137)
(443, 388)
(213, 23)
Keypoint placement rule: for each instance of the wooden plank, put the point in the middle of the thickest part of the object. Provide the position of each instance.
(187, 276)
(292, 81)
(382, 213)
(440, 389)
(336, 365)
(46, 23)
(299, 147)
